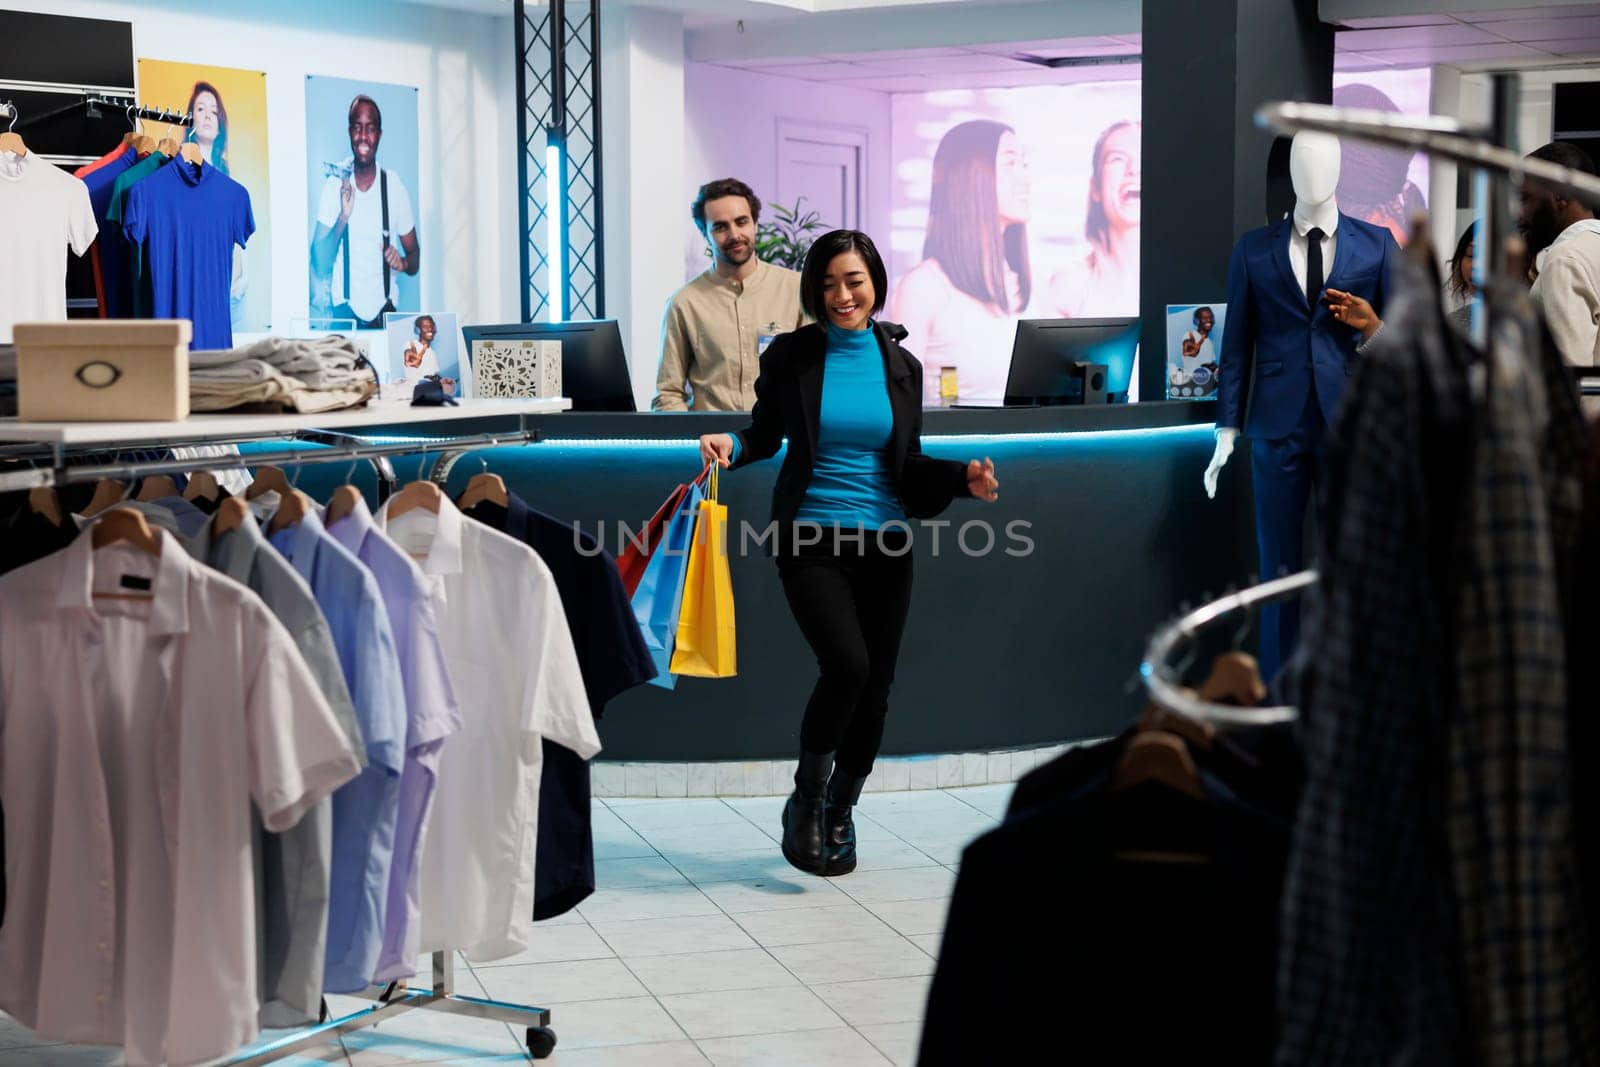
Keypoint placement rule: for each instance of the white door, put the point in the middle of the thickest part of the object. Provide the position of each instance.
(827, 166)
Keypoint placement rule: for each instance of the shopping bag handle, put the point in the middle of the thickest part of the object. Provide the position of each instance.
(711, 484)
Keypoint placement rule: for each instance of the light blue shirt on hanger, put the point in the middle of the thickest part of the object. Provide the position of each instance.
(365, 811)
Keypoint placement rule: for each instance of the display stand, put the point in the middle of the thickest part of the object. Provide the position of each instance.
(51, 448)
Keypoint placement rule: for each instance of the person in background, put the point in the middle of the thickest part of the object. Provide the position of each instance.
(1197, 350)
(962, 302)
(1374, 181)
(1461, 289)
(359, 218)
(840, 506)
(208, 128)
(1106, 281)
(418, 360)
(1563, 239)
(717, 326)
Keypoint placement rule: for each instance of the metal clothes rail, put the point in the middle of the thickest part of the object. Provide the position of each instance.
(92, 102)
(56, 444)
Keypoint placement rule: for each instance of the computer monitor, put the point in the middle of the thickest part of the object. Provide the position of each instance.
(594, 368)
(1046, 352)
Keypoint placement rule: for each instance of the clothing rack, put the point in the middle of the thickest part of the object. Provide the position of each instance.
(1499, 169)
(92, 102)
(54, 444)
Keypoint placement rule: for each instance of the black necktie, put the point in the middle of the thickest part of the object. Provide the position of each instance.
(1314, 268)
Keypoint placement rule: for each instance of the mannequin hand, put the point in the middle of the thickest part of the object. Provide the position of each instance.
(716, 448)
(981, 482)
(1226, 435)
(1353, 311)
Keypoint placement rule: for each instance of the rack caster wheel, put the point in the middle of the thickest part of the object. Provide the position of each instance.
(541, 1042)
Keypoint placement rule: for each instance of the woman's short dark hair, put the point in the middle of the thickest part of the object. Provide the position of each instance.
(716, 191)
(965, 234)
(1195, 318)
(827, 247)
(1459, 286)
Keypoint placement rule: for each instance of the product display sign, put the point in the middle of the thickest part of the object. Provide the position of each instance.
(1194, 348)
(229, 111)
(362, 192)
(423, 346)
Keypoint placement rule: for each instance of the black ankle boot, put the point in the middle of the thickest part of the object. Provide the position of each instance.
(802, 815)
(838, 827)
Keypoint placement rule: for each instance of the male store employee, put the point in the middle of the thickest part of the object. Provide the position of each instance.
(717, 326)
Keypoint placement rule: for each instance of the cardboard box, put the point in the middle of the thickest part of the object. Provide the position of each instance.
(103, 370)
(522, 368)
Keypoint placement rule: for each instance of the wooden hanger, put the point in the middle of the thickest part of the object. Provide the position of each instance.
(486, 486)
(125, 524)
(202, 486)
(143, 144)
(44, 501)
(291, 511)
(106, 493)
(1235, 678)
(13, 143)
(156, 487)
(342, 503)
(167, 147)
(269, 480)
(416, 495)
(1161, 757)
(190, 152)
(1154, 717)
(230, 515)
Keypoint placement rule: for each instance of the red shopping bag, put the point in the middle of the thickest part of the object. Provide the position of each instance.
(638, 549)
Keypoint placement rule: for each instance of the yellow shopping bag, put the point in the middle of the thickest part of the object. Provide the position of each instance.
(705, 646)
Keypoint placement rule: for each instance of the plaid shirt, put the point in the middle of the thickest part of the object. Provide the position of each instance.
(1510, 815)
(1365, 971)
(1429, 910)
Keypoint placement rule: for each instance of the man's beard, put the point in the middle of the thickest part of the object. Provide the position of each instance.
(1539, 232)
(739, 258)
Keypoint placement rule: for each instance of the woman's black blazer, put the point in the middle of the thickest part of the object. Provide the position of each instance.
(789, 404)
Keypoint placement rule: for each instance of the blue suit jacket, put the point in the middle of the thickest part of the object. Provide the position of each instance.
(1276, 348)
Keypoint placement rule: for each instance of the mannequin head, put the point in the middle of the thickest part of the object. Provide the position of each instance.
(1314, 167)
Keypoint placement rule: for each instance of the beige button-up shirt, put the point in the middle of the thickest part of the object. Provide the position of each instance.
(1568, 291)
(713, 336)
(137, 735)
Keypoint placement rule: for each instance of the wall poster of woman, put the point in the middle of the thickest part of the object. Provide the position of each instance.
(228, 109)
(1010, 203)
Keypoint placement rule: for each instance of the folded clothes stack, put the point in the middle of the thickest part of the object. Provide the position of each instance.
(282, 374)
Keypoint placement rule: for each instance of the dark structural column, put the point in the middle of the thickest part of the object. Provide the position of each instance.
(1207, 67)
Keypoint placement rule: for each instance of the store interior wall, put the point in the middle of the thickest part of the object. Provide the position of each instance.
(463, 66)
(732, 119)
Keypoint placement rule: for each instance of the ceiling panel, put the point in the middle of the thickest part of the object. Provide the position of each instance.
(818, 72)
(1515, 13)
(1403, 57)
(1411, 37)
(969, 63)
(1582, 46)
(1529, 30)
(924, 53)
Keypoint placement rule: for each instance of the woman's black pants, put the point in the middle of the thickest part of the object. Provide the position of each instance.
(851, 604)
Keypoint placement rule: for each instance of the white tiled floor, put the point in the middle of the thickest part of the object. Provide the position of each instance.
(703, 946)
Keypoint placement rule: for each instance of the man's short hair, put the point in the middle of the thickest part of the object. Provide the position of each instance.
(716, 191)
(363, 98)
(814, 274)
(1564, 154)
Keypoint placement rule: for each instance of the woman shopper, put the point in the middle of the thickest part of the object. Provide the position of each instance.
(849, 400)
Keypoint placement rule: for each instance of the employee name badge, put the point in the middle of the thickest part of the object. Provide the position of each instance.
(769, 333)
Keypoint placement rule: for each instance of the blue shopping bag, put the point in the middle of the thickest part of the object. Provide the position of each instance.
(659, 598)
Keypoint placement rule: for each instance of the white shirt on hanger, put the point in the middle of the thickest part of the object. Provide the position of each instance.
(516, 677)
(1300, 242)
(137, 735)
(43, 212)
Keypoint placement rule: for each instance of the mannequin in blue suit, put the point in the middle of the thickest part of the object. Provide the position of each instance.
(1286, 354)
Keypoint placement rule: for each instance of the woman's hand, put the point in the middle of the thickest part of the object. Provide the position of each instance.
(1353, 311)
(981, 482)
(716, 448)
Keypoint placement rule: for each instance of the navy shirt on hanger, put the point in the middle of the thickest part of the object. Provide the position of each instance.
(187, 218)
(613, 658)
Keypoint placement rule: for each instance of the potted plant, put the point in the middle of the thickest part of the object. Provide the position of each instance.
(785, 239)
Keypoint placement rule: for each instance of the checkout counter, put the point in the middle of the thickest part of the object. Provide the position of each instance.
(1001, 650)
